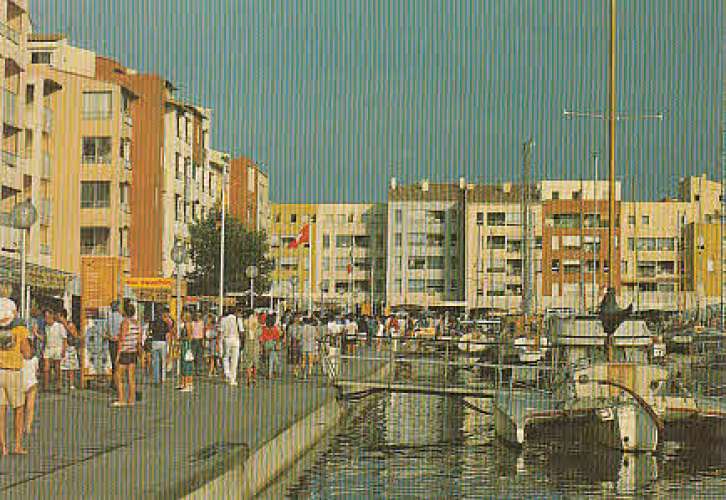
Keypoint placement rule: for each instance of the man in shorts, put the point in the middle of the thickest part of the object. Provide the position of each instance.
(14, 347)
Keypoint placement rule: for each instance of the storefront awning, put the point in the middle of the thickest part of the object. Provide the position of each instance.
(37, 276)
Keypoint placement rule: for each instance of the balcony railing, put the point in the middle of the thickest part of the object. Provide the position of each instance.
(95, 203)
(96, 159)
(9, 33)
(9, 158)
(94, 249)
(96, 114)
(10, 108)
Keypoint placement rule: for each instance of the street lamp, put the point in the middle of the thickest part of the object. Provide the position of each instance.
(23, 217)
(178, 256)
(251, 273)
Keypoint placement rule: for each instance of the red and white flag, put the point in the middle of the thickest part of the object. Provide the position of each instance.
(302, 237)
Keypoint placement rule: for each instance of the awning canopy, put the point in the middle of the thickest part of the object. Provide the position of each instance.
(36, 276)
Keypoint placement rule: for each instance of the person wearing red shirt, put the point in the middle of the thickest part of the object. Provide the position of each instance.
(271, 341)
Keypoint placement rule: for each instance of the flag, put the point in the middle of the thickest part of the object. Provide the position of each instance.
(302, 237)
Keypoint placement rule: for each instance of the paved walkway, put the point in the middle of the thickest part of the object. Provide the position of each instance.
(166, 445)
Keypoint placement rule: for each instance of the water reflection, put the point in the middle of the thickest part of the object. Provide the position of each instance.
(434, 447)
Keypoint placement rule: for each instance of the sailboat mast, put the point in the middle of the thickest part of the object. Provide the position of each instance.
(526, 278)
(612, 255)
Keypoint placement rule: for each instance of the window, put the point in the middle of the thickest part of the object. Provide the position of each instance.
(667, 244)
(555, 195)
(326, 241)
(397, 240)
(436, 240)
(631, 220)
(555, 265)
(496, 242)
(570, 242)
(326, 264)
(571, 267)
(179, 167)
(435, 262)
(645, 220)
(40, 58)
(496, 219)
(416, 263)
(417, 239)
(571, 221)
(293, 218)
(187, 167)
(177, 207)
(343, 241)
(29, 94)
(96, 105)
(94, 240)
(480, 218)
(96, 150)
(95, 194)
(576, 195)
(415, 285)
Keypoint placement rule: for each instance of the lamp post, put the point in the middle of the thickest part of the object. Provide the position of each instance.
(178, 256)
(23, 217)
(251, 273)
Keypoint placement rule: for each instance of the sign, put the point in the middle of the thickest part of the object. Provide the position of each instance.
(99, 281)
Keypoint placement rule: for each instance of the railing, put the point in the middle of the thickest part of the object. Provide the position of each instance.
(94, 249)
(9, 158)
(95, 203)
(95, 159)
(10, 107)
(10, 33)
(96, 115)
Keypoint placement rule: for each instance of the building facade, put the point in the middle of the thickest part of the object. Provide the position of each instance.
(426, 245)
(249, 193)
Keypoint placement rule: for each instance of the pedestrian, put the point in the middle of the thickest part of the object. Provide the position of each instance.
(114, 328)
(309, 347)
(271, 342)
(295, 345)
(29, 374)
(229, 333)
(129, 345)
(170, 339)
(69, 364)
(252, 348)
(55, 349)
(160, 336)
(197, 340)
(186, 354)
(210, 340)
(14, 348)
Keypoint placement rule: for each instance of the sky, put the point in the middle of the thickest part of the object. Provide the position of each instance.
(335, 97)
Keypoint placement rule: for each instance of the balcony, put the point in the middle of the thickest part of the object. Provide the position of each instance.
(104, 114)
(9, 158)
(10, 108)
(47, 119)
(9, 33)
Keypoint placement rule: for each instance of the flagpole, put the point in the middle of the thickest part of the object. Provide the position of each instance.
(310, 269)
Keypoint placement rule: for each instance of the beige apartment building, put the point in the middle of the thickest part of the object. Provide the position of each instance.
(351, 239)
(85, 197)
(426, 245)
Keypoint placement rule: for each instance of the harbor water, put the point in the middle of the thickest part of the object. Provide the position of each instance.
(419, 446)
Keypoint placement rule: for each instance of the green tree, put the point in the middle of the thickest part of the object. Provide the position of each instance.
(242, 248)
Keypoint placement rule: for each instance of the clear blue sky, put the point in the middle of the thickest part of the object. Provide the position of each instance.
(337, 96)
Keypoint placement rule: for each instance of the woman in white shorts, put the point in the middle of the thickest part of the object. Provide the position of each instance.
(29, 376)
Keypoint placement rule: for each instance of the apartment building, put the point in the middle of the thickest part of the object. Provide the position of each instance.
(294, 273)
(214, 181)
(426, 245)
(249, 193)
(351, 239)
(173, 179)
(704, 259)
(84, 207)
(575, 263)
(495, 240)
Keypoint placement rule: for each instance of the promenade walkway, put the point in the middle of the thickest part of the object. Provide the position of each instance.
(166, 446)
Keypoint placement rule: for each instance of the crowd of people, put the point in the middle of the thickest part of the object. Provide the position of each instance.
(240, 343)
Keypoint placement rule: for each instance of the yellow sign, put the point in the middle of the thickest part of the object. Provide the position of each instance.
(150, 283)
